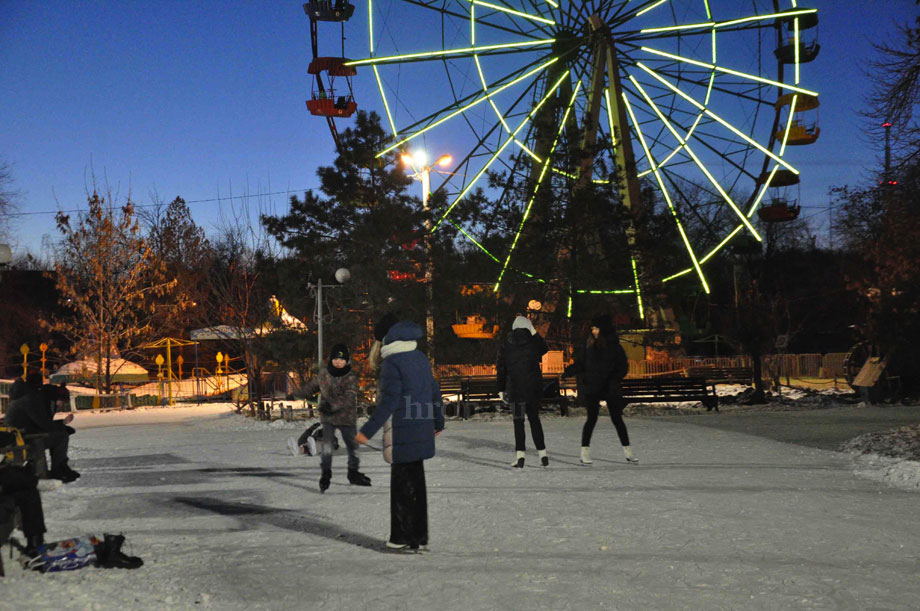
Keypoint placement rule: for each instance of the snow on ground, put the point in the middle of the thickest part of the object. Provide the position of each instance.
(225, 518)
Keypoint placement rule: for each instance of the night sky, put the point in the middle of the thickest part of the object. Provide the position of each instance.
(206, 100)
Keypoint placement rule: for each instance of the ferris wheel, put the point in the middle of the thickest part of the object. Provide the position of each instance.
(697, 101)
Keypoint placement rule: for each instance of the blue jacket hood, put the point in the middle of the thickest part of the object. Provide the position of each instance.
(403, 331)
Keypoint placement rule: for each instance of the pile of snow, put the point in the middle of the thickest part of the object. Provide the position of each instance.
(891, 456)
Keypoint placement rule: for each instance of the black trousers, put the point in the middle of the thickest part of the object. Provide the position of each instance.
(57, 442)
(615, 405)
(531, 409)
(19, 484)
(408, 504)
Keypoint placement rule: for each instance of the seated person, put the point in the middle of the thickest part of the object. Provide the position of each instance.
(31, 410)
(19, 486)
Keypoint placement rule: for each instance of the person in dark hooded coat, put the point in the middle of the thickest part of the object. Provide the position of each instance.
(521, 380)
(31, 410)
(601, 364)
(409, 396)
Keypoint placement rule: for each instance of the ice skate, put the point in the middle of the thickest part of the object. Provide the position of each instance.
(518, 461)
(629, 456)
(324, 480)
(586, 455)
(401, 548)
(357, 478)
(310, 450)
(295, 449)
(544, 459)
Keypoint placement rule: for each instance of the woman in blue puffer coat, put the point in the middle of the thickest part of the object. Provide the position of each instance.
(408, 396)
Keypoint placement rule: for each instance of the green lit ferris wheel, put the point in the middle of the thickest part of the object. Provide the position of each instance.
(701, 97)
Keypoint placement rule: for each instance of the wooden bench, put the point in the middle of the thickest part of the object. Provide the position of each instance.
(664, 389)
(722, 375)
(450, 385)
(476, 390)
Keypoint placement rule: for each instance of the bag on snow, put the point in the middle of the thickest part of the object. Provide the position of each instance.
(66, 555)
(75, 553)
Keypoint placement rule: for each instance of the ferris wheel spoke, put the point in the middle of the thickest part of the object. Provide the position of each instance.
(743, 75)
(686, 146)
(731, 23)
(439, 7)
(539, 183)
(464, 105)
(504, 145)
(717, 118)
(500, 49)
(638, 10)
(510, 11)
(665, 194)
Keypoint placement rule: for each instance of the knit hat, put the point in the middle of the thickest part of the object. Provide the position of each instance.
(383, 325)
(339, 351)
(522, 322)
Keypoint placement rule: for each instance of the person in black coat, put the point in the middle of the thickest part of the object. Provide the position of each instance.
(521, 380)
(601, 364)
(31, 410)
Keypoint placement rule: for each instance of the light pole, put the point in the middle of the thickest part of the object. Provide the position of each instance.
(421, 170)
(342, 275)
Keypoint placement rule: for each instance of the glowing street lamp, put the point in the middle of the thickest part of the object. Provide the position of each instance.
(421, 170)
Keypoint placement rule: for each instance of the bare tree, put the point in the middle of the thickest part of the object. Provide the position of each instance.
(109, 279)
(8, 197)
(896, 91)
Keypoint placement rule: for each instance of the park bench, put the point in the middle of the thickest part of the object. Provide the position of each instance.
(478, 390)
(661, 389)
(450, 385)
(666, 389)
(722, 375)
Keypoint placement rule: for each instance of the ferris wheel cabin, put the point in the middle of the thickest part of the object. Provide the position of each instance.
(799, 39)
(324, 101)
(803, 128)
(327, 10)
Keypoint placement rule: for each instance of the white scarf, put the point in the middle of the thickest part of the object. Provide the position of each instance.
(396, 347)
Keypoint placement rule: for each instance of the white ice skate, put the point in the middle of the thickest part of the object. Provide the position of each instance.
(586, 455)
(295, 449)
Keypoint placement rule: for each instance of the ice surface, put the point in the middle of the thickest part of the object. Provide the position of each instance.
(225, 518)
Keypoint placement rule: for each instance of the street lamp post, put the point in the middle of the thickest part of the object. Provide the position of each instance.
(421, 169)
(342, 275)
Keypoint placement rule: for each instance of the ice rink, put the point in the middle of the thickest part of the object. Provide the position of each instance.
(225, 518)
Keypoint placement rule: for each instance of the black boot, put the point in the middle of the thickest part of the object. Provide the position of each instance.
(325, 479)
(64, 474)
(33, 543)
(357, 478)
(109, 554)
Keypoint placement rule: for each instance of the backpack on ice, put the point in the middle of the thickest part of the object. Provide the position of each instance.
(66, 555)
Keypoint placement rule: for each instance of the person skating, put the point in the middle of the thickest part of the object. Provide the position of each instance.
(31, 410)
(338, 410)
(410, 396)
(520, 378)
(601, 364)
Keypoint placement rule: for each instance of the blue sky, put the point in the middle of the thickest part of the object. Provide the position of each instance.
(206, 100)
